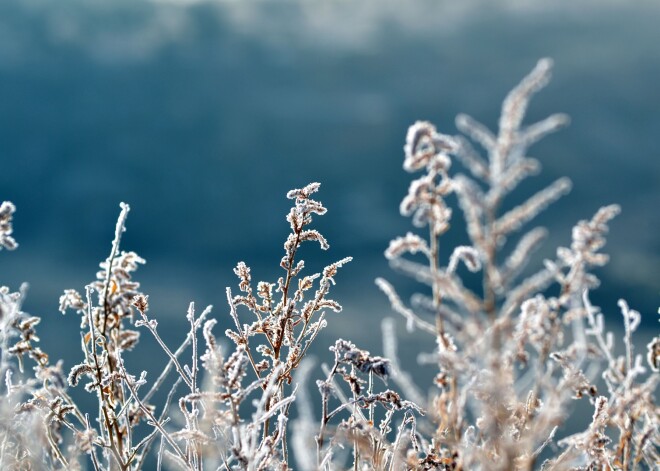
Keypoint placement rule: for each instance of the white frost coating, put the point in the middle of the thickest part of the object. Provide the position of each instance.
(476, 131)
(469, 256)
(7, 210)
(424, 144)
(514, 219)
(411, 243)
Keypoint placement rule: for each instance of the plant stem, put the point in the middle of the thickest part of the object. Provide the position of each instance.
(437, 295)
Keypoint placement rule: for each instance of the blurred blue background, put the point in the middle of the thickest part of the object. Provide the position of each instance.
(201, 115)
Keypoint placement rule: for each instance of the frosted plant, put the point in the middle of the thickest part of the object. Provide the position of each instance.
(373, 445)
(35, 408)
(286, 317)
(42, 426)
(508, 367)
(512, 355)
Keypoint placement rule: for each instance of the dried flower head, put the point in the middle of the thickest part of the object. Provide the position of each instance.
(347, 352)
(7, 210)
(425, 146)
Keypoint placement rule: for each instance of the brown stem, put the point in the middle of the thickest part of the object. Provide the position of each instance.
(99, 376)
(489, 291)
(324, 415)
(437, 295)
(277, 346)
(285, 294)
